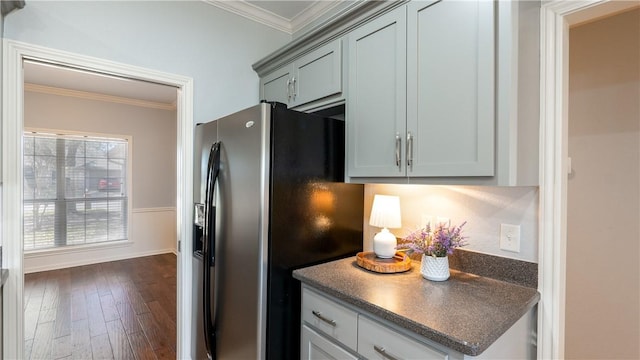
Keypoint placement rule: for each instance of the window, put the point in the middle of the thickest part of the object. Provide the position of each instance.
(74, 190)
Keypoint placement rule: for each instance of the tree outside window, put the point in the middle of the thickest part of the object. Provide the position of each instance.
(74, 190)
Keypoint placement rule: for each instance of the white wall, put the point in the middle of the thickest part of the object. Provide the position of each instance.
(603, 201)
(153, 132)
(191, 38)
(483, 207)
(153, 163)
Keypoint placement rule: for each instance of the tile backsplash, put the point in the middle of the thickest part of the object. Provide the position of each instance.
(483, 207)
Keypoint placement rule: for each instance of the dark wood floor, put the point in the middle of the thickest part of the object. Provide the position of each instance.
(117, 310)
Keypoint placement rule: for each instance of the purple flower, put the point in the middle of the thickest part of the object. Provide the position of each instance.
(438, 242)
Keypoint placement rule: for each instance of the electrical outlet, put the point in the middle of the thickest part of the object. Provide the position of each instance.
(426, 220)
(444, 221)
(510, 237)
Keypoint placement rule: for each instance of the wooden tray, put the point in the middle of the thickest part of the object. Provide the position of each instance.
(368, 260)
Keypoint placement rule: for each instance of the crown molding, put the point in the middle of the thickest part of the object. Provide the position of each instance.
(312, 13)
(265, 17)
(254, 13)
(332, 27)
(95, 96)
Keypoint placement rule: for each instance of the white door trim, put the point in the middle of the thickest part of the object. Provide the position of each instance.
(12, 127)
(555, 19)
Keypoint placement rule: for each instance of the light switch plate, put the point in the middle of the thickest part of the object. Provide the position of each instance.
(510, 237)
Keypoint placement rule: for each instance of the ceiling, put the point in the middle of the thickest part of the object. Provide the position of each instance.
(285, 9)
(288, 16)
(56, 77)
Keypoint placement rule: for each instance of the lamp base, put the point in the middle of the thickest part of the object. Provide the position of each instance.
(384, 244)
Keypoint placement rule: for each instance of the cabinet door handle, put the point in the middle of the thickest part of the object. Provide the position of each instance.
(295, 92)
(319, 315)
(382, 351)
(398, 144)
(289, 89)
(410, 151)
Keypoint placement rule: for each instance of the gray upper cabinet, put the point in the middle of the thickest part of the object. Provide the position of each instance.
(311, 77)
(421, 93)
(376, 98)
(276, 86)
(436, 92)
(450, 82)
(318, 74)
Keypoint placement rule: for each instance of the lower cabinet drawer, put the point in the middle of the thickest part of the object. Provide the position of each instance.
(330, 317)
(376, 341)
(317, 347)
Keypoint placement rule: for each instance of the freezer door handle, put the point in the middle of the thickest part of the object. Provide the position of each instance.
(213, 170)
(209, 246)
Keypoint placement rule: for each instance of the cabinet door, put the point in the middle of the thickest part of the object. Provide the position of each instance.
(450, 104)
(376, 341)
(376, 99)
(318, 74)
(276, 86)
(317, 347)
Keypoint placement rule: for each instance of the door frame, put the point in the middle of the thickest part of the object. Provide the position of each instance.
(555, 19)
(12, 188)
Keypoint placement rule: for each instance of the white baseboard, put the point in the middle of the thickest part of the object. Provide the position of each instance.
(155, 209)
(91, 261)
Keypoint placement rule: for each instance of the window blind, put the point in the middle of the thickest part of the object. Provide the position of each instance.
(75, 190)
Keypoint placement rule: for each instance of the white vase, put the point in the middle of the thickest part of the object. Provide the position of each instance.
(435, 268)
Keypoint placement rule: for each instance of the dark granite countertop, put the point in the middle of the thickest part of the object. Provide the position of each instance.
(466, 313)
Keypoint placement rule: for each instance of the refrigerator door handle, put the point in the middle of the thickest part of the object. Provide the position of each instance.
(209, 247)
(213, 170)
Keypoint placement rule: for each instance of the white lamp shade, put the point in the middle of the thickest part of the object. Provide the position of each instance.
(385, 212)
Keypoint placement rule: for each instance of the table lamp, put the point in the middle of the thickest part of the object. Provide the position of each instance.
(385, 213)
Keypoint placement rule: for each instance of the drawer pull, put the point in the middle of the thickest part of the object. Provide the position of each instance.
(382, 351)
(323, 318)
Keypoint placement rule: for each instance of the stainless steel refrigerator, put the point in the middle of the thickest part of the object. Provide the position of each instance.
(269, 198)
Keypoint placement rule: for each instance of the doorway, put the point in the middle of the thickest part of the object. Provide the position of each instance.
(87, 137)
(603, 190)
(556, 19)
(12, 200)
